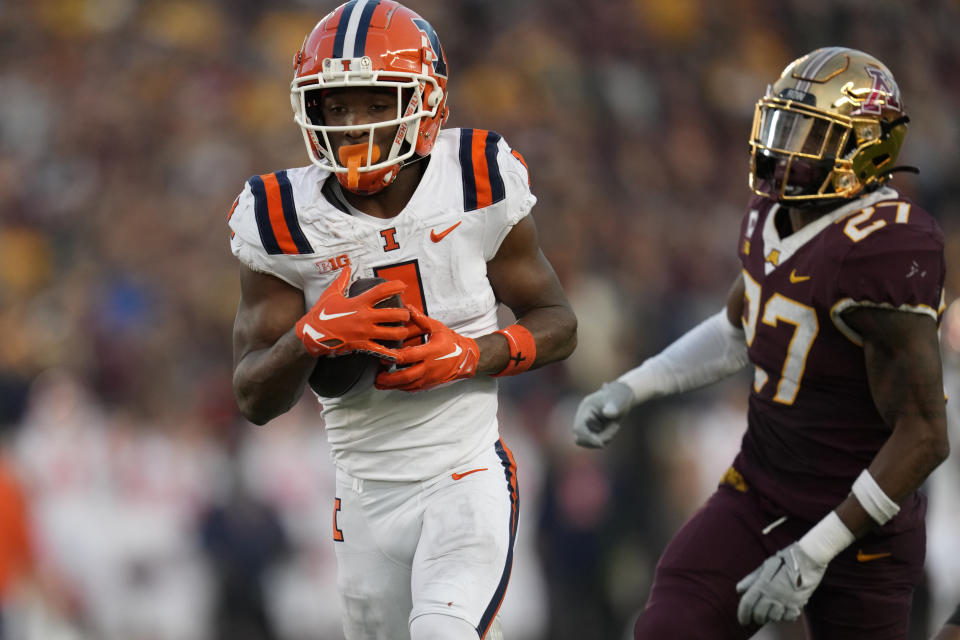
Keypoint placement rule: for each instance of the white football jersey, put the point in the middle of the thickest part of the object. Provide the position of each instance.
(296, 225)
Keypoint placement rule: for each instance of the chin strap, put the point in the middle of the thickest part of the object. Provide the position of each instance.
(882, 179)
(904, 168)
(412, 160)
(887, 127)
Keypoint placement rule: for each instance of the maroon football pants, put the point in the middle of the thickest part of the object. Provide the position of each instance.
(865, 594)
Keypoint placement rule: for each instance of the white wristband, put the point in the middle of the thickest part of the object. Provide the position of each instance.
(826, 539)
(873, 499)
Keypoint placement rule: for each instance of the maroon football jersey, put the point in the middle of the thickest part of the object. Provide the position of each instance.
(812, 423)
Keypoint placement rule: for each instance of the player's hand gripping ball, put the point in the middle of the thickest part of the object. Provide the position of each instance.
(335, 376)
(445, 356)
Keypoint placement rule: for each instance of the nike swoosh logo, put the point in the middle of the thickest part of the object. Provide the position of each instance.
(437, 237)
(457, 476)
(313, 333)
(331, 316)
(452, 354)
(867, 557)
(794, 278)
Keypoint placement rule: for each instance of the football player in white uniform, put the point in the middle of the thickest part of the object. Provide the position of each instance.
(426, 508)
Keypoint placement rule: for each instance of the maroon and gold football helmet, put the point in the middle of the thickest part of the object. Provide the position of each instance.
(381, 44)
(830, 128)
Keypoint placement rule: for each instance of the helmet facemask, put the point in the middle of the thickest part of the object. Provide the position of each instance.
(362, 170)
(798, 153)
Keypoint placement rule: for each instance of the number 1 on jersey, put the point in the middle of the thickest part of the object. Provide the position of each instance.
(408, 273)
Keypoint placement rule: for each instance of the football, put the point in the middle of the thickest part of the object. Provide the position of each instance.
(335, 376)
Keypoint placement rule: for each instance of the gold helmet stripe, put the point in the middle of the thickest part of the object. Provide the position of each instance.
(806, 76)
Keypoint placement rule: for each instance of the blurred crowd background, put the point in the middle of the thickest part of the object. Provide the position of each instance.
(135, 503)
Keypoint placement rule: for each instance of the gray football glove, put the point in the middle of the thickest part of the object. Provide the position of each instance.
(599, 414)
(779, 588)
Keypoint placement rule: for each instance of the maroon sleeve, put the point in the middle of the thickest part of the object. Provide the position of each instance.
(897, 265)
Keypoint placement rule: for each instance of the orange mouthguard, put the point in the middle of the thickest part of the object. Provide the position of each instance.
(352, 156)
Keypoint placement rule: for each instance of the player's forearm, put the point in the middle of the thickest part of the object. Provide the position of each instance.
(554, 330)
(912, 452)
(268, 382)
(910, 455)
(902, 359)
(916, 447)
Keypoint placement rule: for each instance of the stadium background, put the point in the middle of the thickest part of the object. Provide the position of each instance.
(128, 126)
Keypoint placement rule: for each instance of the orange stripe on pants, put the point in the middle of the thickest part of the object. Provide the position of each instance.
(515, 494)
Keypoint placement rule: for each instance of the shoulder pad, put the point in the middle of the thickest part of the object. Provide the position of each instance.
(894, 255)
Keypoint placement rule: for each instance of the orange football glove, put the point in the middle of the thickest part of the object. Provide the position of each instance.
(444, 357)
(338, 324)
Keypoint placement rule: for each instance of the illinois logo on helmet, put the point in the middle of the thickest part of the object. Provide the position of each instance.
(372, 43)
(830, 127)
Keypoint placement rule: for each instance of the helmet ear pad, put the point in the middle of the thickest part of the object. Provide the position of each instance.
(426, 133)
(871, 159)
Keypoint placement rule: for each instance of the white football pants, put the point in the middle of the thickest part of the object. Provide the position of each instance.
(439, 546)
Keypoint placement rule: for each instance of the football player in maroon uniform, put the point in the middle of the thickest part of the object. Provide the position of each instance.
(837, 308)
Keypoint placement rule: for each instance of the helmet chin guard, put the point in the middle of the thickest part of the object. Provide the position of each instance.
(352, 155)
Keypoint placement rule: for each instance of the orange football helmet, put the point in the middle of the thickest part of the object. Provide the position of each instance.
(830, 128)
(372, 43)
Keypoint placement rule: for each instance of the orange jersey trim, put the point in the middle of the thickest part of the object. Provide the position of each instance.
(481, 172)
(516, 154)
(275, 211)
(276, 214)
(233, 208)
(482, 183)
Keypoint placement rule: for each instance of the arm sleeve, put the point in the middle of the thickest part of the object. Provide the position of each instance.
(709, 352)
